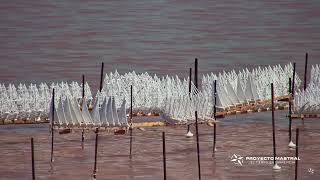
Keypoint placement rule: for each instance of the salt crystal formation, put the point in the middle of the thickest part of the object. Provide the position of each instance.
(308, 101)
(168, 96)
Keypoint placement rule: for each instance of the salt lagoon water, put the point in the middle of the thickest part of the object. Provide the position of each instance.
(44, 41)
(242, 135)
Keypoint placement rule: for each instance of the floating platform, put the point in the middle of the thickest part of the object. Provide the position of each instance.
(303, 116)
(253, 107)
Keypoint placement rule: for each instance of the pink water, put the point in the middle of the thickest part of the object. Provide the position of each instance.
(45, 40)
(252, 136)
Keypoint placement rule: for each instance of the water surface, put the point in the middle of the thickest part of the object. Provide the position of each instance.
(59, 40)
(243, 135)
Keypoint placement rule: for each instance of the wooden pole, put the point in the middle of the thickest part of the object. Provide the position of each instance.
(305, 72)
(131, 100)
(297, 154)
(95, 155)
(190, 80)
(215, 115)
(101, 76)
(290, 111)
(273, 125)
(52, 126)
(164, 155)
(82, 136)
(196, 73)
(32, 159)
(198, 148)
(131, 108)
(188, 127)
(215, 99)
(83, 87)
(293, 79)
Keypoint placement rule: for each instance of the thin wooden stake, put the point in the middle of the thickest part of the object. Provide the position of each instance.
(297, 154)
(95, 155)
(273, 125)
(131, 128)
(190, 80)
(293, 79)
(305, 72)
(215, 115)
(196, 73)
(131, 100)
(83, 82)
(101, 76)
(290, 112)
(83, 88)
(52, 126)
(164, 155)
(32, 159)
(82, 136)
(198, 148)
(215, 100)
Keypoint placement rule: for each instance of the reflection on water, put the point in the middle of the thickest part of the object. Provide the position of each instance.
(246, 139)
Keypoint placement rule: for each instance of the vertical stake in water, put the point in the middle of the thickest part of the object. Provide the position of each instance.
(101, 76)
(305, 72)
(275, 165)
(32, 159)
(297, 154)
(82, 137)
(214, 115)
(83, 87)
(291, 144)
(52, 124)
(198, 148)
(95, 155)
(190, 76)
(293, 79)
(196, 73)
(130, 128)
(164, 155)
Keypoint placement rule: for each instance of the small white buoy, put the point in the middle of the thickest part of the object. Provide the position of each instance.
(215, 149)
(291, 145)
(189, 133)
(276, 167)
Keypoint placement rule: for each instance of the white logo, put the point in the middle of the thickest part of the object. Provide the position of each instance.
(237, 159)
(311, 171)
(253, 160)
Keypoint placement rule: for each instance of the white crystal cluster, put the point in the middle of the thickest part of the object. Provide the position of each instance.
(24, 102)
(308, 101)
(238, 88)
(150, 93)
(72, 113)
(168, 96)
